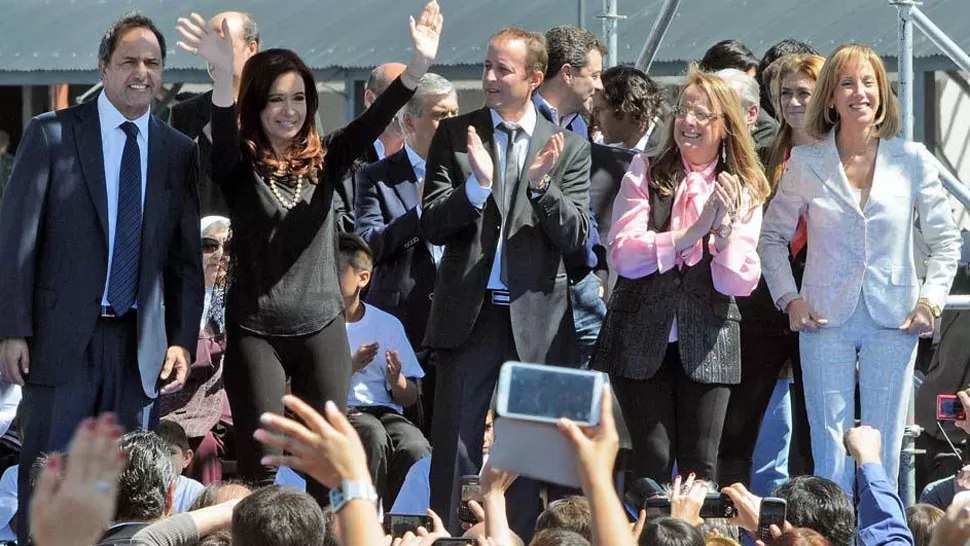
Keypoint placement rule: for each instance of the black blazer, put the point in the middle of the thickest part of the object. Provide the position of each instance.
(54, 245)
(609, 164)
(191, 117)
(404, 271)
(539, 231)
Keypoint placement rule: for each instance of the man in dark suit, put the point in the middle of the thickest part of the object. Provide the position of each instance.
(507, 194)
(388, 210)
(100, 255)
(192, 116)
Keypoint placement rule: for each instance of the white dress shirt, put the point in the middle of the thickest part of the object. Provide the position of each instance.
(419, 166)
(477, 195)
(379, 148)
(113, 139)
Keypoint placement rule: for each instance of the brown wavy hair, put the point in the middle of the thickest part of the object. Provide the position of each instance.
(667, 171)
(808, 65)
(304, 157)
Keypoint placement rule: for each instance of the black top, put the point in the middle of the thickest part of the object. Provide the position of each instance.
(283, 272)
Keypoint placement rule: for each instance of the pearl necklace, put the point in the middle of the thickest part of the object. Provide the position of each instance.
(297, 192)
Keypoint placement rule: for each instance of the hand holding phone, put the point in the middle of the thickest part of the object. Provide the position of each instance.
(538, 392)
(949, 408)
(398, 524)
(453, 541)
(471, 490)
(773, 512)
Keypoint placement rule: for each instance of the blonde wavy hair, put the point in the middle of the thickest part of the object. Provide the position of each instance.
(809, 66)
(739, 157)
(822, 117)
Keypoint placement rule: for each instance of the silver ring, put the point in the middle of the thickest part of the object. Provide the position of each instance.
(102, 485)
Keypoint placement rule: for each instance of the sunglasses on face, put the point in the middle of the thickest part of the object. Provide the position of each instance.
(210, 245)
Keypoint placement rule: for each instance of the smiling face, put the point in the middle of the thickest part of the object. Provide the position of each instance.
(697, 134)
(283, 115)
(795, 95)
(586, 82)
(133, 73)
(856, 94)
(507, 83)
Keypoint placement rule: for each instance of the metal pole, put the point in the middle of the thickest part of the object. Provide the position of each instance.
(582, 14)
(657, 32)
(610, 18)
(940, 39)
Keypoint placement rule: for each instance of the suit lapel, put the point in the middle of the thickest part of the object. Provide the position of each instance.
(157, 183)
(881, 171)
(87, 137)
(830, 170)
(402, 179)
(544, 129)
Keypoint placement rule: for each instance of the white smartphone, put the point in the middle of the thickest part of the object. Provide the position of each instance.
(537, 392)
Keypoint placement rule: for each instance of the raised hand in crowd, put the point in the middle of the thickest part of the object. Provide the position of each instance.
(422, 536)
(74, 504)
(494, 483)
(425, 35)
(215, 47)
(803, 318)
(964, 397)
(748, 505)
(364, 355)
(595, 449)
(687, 498)
(864, 444)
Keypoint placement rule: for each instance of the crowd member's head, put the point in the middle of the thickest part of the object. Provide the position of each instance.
(708, 126)
(245, 39)
(781, 49)
(332, 538)
(746, 88)
(629, 102)
(801, 536)
(853, 92)
(215, 259)
(278, 516)
(130, 61)
(794, 87)
(489, 433)
(277, 105)
(558, 537)
(222, 537)
(434, 100)
(177, 440)
(729, 54)
(819, 504)
(147, 485)
(571, 513)
(717, 540)
(670, 532)
(514, 66)
(922, 518)
(719, 528)
(573, 70)
(354, 264)
(377, 82)
(220, 492)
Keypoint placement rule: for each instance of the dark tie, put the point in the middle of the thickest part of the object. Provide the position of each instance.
(509, 183)
(123, 286)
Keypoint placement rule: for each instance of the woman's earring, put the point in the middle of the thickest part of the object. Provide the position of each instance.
(723, 152)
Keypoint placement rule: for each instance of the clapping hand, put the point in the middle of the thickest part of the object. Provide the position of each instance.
(546, 158)
(214, 45)
(479, 160)
(394, 366)
(364, 355)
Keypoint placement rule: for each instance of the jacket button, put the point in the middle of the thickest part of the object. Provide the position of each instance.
(676, 281)
(431, 296)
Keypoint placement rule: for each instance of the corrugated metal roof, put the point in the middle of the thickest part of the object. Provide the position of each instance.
(59, 35)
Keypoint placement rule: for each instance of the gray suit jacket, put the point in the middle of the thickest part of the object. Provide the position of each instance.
(54, 246)
(539, 231)
(853, 250)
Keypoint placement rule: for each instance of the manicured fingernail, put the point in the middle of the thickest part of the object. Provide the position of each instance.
(265, 461)
(330, 406)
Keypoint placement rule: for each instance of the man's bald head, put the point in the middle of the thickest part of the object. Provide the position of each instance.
(380, 78)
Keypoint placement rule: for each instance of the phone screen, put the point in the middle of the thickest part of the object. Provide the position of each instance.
(551, 394)
(398, 524)
(950, 406)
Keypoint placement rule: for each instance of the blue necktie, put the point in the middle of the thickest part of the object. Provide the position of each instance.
(123, 286)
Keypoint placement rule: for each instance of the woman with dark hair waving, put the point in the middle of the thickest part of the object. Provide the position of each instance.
(284, 311)
(684, 236)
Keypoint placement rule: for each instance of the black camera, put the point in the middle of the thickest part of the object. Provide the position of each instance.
(646, 494)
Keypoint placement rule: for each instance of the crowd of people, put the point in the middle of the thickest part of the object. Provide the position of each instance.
(302, 333)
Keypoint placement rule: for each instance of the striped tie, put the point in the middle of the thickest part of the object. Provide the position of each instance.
(123, 285)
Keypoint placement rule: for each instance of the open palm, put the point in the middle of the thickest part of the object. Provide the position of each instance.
(202, 39)
(426, 32)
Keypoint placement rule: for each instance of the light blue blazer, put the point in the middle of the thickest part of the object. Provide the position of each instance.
(868, 250)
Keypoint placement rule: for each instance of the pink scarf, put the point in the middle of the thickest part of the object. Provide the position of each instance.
(691, 196)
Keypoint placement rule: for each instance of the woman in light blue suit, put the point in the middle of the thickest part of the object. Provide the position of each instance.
(859, 191)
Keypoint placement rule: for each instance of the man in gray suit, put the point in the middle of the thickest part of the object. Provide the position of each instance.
(506, 192)
(100, 255)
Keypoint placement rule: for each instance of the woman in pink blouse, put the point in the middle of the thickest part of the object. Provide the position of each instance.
(684, 238)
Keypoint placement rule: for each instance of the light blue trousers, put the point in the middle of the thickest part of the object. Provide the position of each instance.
(885, 357)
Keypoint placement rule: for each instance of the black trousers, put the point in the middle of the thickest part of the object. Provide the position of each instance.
(110, 381)
(763, 355)
(672, 418)
(392, 443)
(256, 370)
(466, 379)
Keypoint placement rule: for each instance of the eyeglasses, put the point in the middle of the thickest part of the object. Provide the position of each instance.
(210, 245)
(700, 116)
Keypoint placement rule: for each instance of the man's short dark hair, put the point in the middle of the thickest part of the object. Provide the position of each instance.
(571, 513)
(629, 90)
(558, 537)
(728, 54)
(775, 52)
(819, 504)
(173, 434)
(278, 516)
(148, 475)
(570, 45)
(118, 29)
(355, 250)
(670, 532)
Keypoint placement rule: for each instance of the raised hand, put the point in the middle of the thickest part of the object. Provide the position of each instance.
(425, 35)
(479, 160)
(546, 158)
(212, 44)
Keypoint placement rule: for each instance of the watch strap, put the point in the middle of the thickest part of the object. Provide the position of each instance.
(350, 490)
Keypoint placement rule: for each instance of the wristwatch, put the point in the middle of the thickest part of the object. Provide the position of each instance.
(542, 185)
(934, 309)
(723, 231)
(349, 491)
